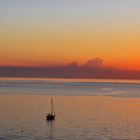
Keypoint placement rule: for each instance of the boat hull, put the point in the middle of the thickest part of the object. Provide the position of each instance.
(50, 117)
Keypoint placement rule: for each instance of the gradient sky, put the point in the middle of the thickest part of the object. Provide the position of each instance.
(56, 32)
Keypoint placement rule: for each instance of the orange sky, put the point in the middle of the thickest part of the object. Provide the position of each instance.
(65, 32)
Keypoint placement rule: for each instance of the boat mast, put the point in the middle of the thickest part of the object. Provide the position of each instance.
(53, 109)
(51, 106)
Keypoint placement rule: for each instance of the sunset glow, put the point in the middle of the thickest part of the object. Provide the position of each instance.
(52, 33)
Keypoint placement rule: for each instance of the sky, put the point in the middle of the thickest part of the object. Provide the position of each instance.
(58, 32)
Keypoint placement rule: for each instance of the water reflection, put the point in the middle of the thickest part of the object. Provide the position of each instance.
(50, 126)
(78, 117)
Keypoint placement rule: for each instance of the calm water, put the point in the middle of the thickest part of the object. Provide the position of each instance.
(86, 109)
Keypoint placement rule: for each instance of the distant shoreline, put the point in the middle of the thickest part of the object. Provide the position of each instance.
(75, 80)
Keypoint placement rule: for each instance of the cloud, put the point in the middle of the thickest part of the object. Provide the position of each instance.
(73, 64)
(94, 63)
(93, 68)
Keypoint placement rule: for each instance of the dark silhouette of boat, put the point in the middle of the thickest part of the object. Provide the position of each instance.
(51, 116)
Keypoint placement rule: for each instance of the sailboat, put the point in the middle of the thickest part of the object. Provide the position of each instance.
(51, 116)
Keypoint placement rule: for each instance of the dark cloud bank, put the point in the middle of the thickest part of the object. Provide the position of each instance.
(91, 69)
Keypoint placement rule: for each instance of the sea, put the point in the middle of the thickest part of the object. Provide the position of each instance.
(86, 109)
